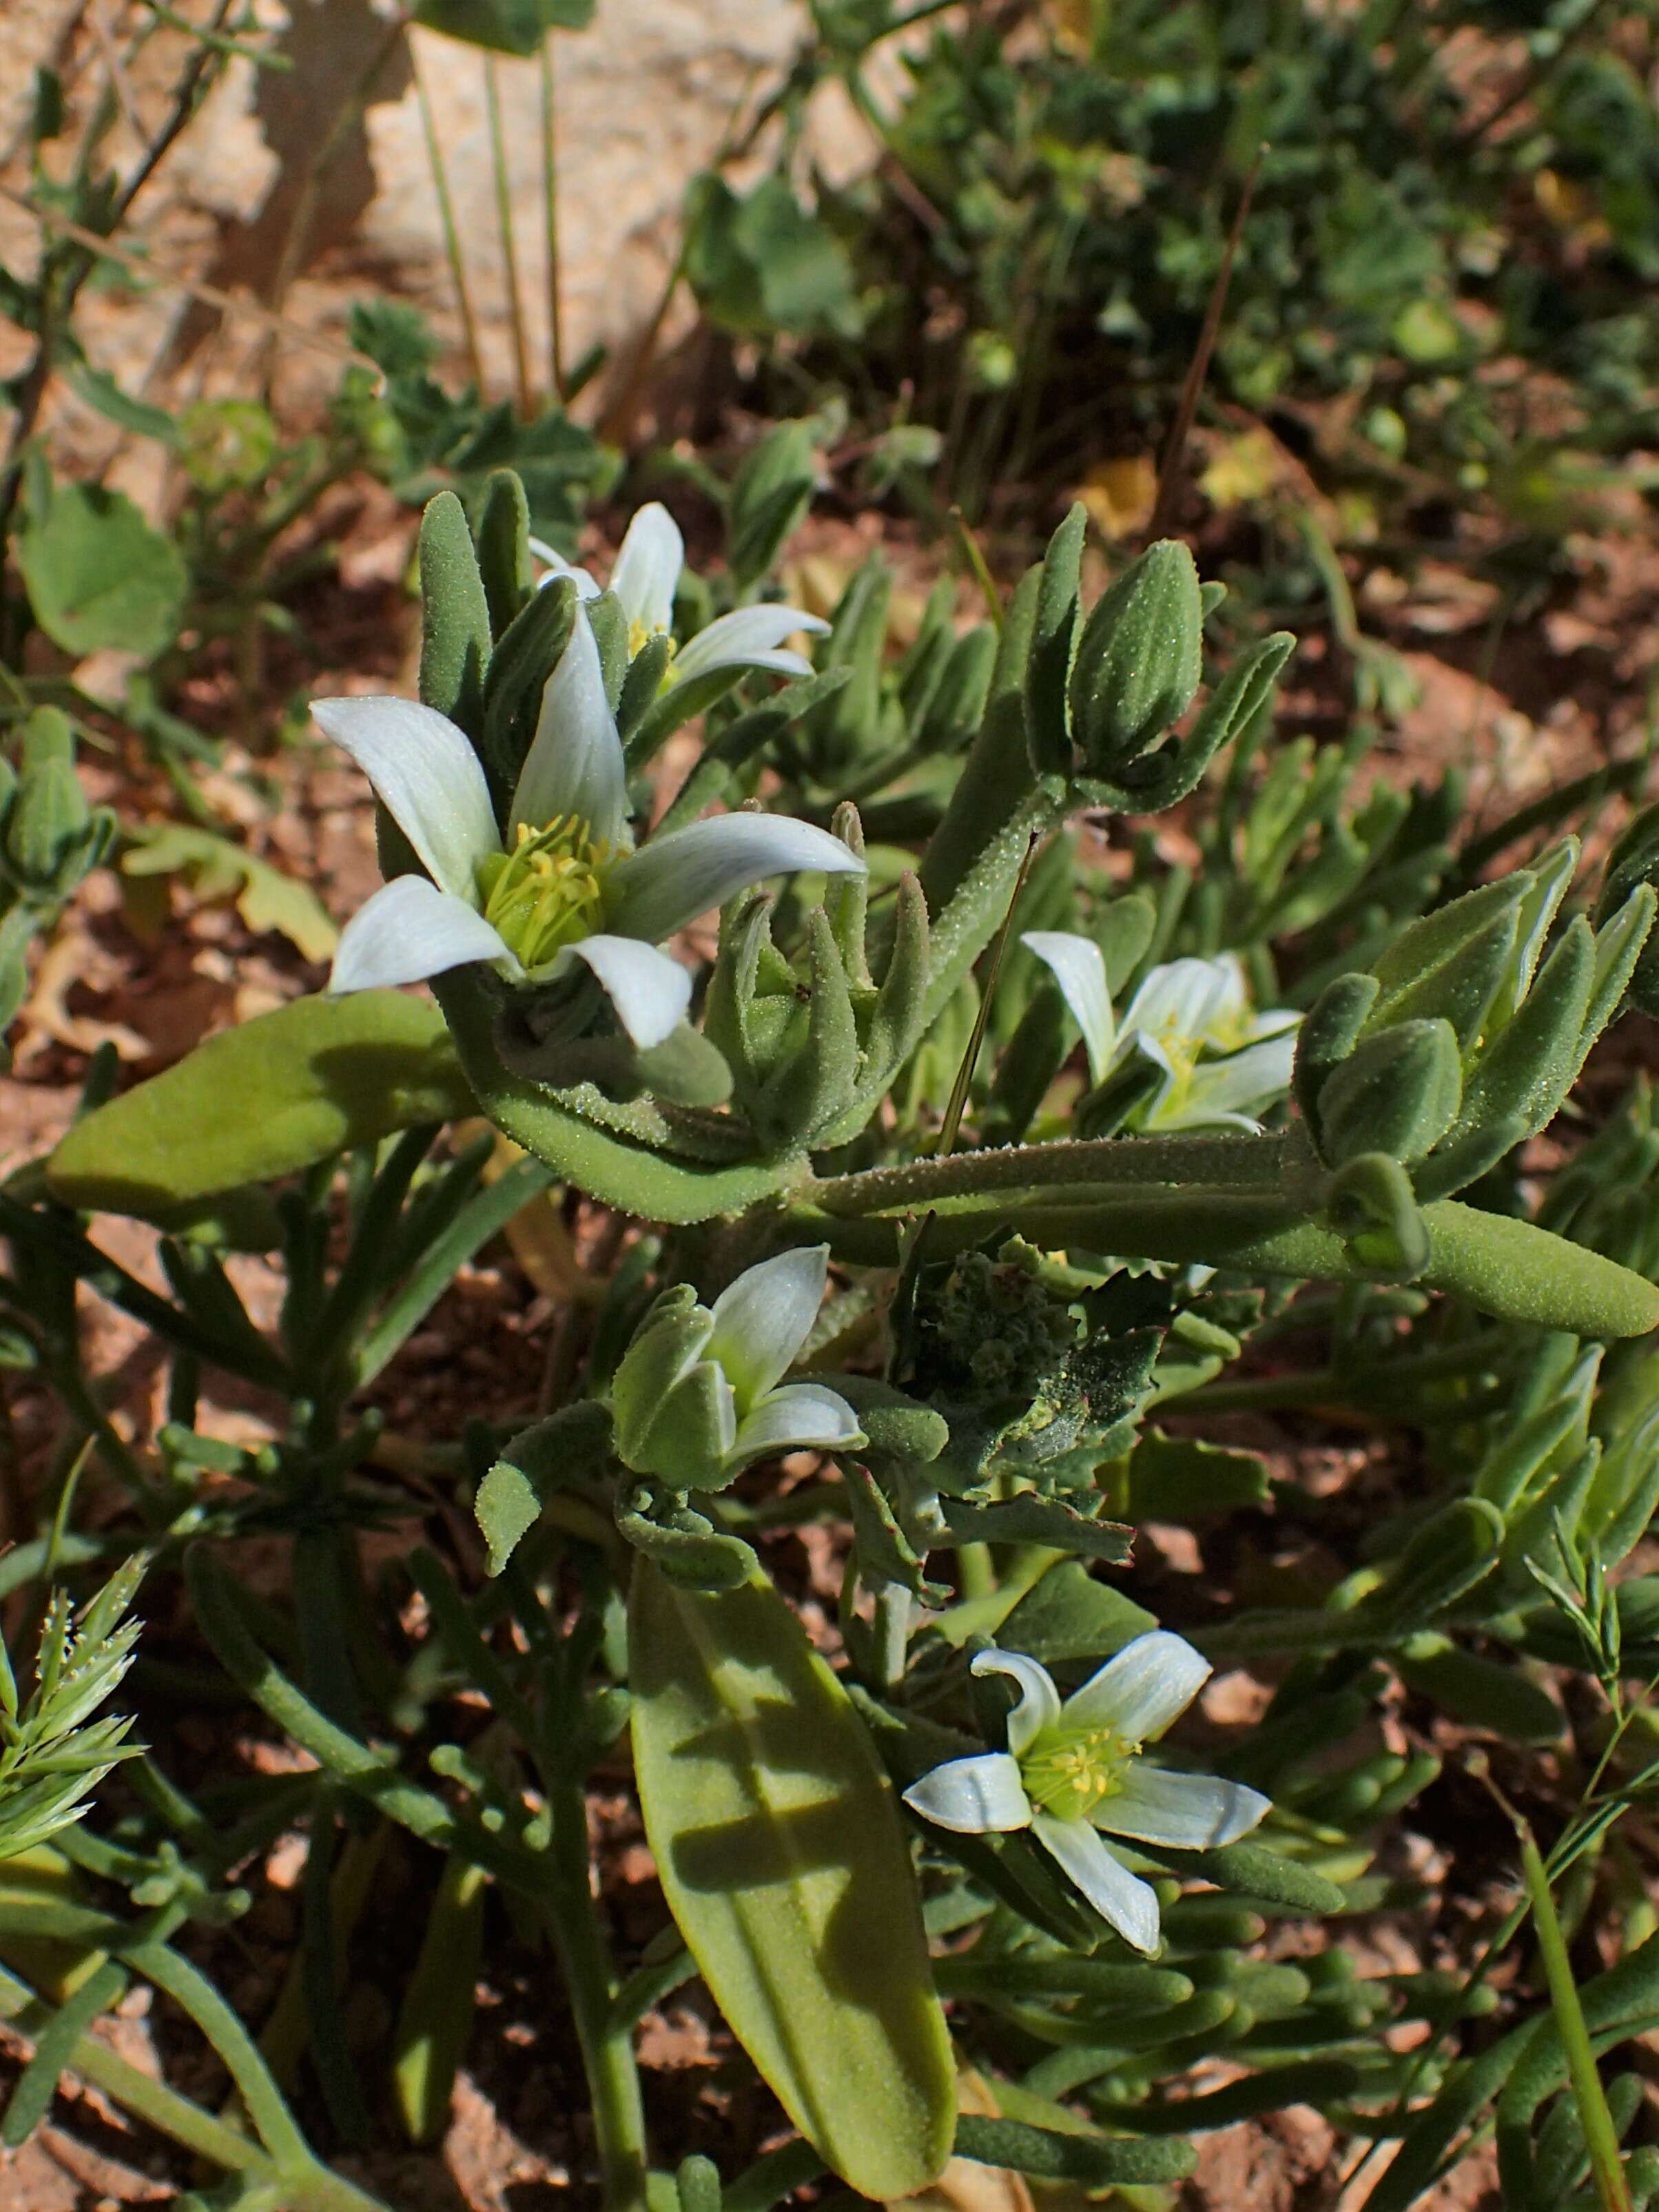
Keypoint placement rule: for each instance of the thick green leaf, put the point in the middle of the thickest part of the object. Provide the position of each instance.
(278, 1094)
(99, 578)
(784, 1861)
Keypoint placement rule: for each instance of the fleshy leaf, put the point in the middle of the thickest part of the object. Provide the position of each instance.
(785, 1863)
(326, 1074)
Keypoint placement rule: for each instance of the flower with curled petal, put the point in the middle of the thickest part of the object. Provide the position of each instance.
(564, 883)
(643, 579)
(1074, 1768)
(1221, 1063)
(700, 1393)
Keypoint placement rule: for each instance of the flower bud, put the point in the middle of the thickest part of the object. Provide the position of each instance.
(1373, 1209)
(700, 1392)
(1138, 659)
(673, 1409)
(48, 828)
(1398, 1093)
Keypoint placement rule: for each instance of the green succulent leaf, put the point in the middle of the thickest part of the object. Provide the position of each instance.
(785, 1862)
(325, 1075)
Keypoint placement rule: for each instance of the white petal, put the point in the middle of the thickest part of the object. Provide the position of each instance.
(1189, 1812)
(977, 1796)
(1142, 1688)
(650, 992)
(588, 586)
(799, 1417)
(1161, 1110)
(1182, 998)
(574, 765)
(428, 777)
(408, 930)
(674, 879)
(748, 637)
(1230, 1006)
(1169, 1115)
(1245, 1080)
(1080, 971)
(1119, 1897)
(647, 568)
(1039, 1703)
(763, 1319)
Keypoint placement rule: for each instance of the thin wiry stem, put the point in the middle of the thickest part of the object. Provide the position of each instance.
(550, 219)
(446, 218)
(509, 253)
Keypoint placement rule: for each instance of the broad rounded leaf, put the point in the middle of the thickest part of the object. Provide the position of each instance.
(281, 1092)
(784, 1860)
(100, 579)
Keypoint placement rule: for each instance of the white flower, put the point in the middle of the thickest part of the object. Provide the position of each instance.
(700, 1393)
(1072, 1769)
(644, 579)
(1222, 1063)
(566, 884)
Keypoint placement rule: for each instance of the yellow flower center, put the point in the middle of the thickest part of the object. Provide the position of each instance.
(1067, 1772)
(549, 891)
(640, 634)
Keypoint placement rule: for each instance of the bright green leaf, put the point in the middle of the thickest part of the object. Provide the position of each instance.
(276, 1095)
(100, 579)
(784, 1862)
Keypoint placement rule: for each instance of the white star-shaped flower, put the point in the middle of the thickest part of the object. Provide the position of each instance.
(1221, 1062)
(1074, 1767)
(564, 883)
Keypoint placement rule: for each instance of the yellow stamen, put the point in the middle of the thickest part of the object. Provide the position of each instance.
(1067, 1772)
(549, 891)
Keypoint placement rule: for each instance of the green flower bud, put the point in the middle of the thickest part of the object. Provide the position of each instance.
(672, 1418)
(1328, 1034)
(228, 444)
(1398, 1093)
(1053, 639)
(1451, 964)
(700, 1392)
(1373, 1209)
(48, 825)
(47, 736)
(1139, 659)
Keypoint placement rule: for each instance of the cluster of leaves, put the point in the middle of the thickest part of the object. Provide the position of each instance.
(1032, 256)
(1034, 1307)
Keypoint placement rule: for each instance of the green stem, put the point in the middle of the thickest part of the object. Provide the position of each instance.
(307, 2186)
(446, 220)
(613, 2079)
(550, 219)
(1600, 2134)
(1511, 1269)
(976, 1571)
(1394, 1379)
(1234, 1163)
(509, 252)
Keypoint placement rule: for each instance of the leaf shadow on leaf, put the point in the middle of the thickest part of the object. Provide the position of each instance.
(773, 1848)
